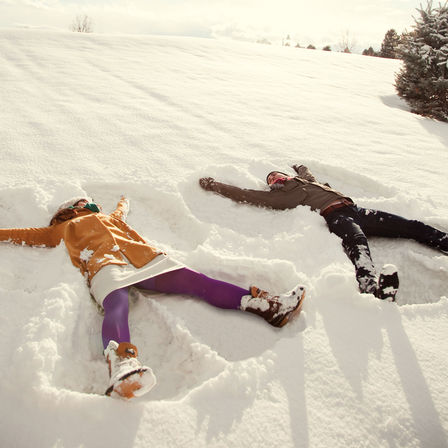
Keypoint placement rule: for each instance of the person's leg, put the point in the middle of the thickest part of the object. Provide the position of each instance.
(128, 377)
(115, 323)
(384, 224)
(345, 225)
(185, 281)
(277, 310)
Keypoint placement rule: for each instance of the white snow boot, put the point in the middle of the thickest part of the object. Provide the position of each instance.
(277, 310)
(128, 378)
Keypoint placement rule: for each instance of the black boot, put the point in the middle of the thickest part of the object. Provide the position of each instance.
(388, 283)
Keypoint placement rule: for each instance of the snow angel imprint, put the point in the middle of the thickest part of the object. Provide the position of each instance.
(113, 257)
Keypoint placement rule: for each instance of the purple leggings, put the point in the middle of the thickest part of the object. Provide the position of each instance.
(181, 281)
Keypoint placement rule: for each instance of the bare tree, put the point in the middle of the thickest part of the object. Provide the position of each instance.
(346, 42)
(82, 24)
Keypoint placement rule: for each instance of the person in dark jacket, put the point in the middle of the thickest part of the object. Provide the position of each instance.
(353, 224)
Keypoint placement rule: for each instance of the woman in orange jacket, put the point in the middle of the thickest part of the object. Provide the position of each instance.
(112, 257)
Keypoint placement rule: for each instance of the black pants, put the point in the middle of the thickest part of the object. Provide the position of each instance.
(354, 224)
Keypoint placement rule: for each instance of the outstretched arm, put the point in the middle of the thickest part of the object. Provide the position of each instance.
(32, 236)
(254, 197)
(122, 210)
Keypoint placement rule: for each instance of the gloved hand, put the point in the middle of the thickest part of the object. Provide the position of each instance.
(207, 183)
(126, 202)
(296, 168)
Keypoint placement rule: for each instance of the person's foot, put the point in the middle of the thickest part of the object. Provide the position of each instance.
(388, 283)
(277, 310)
(128, 378)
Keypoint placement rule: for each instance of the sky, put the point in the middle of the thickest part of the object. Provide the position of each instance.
(363, 22)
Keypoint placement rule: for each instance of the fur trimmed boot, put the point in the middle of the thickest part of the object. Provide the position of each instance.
(277, 310)
(128, 378)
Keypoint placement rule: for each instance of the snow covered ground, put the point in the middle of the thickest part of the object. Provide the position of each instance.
(147, 117)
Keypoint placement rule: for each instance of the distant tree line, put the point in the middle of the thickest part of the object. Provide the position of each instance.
(287, 42)
(346, 43)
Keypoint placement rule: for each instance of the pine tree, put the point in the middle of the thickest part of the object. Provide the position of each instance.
(390, 45)
(423, 80)
(369, 52)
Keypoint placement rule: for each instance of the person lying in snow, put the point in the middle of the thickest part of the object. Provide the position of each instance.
(351, 223)
(112, 257)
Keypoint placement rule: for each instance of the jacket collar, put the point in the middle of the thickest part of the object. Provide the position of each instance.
(66, 214)
(289, 185)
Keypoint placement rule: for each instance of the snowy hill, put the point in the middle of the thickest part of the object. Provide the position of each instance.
(147, 117)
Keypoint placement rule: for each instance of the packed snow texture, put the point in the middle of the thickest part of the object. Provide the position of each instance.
(146, 117)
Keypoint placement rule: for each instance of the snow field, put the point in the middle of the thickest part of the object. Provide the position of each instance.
(147, 117)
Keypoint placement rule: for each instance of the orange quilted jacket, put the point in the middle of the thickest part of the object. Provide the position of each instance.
(93, 240)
